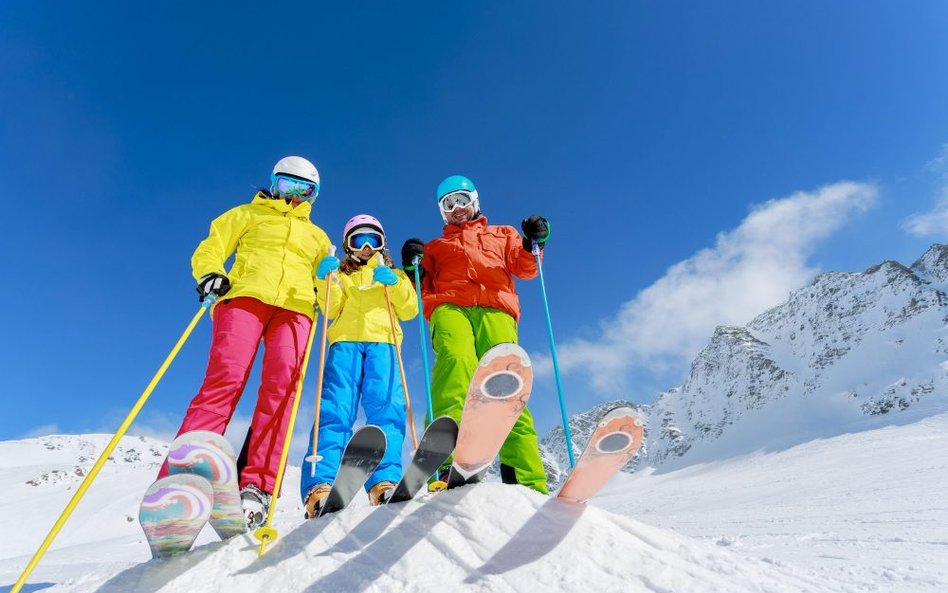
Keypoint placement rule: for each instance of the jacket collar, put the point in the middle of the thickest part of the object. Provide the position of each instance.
(263, 199)
(453, 229)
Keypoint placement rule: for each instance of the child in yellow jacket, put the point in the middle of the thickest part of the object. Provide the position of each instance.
(361, 364)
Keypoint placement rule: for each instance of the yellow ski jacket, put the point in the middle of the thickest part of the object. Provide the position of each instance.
(277, 246)
(358, 309)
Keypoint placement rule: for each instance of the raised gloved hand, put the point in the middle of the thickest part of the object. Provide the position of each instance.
(535, 228)
(385, 275)
(327, 265)
(410, 249)
(213, 283)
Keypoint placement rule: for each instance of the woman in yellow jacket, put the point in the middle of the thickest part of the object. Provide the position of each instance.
(361, 364)
(267, 294)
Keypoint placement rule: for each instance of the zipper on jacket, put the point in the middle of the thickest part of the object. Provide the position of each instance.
(286, 239)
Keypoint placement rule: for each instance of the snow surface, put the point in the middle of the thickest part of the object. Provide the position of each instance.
(861, 511)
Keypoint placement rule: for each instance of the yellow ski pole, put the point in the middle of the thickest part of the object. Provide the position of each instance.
(87, 482)
(401, 366)
(267, 533)
(315, 458)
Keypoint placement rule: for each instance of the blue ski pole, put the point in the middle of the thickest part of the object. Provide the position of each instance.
(556, 364)
(423, 330)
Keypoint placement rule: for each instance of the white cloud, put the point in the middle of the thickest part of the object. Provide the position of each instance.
(939, 164)
(935, 221)
(749, 270)
(932, 223)
(42, 431)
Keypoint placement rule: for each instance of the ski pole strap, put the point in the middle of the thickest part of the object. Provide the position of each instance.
(556, 364)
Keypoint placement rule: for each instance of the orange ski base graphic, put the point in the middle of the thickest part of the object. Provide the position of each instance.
(614, 442)
(498, 394)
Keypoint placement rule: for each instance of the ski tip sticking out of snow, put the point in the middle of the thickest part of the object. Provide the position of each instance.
(622, 411)
(615, 440)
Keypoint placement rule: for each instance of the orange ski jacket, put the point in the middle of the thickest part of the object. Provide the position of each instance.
(474, 265)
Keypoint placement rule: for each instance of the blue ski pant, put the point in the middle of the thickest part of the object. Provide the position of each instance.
(366, 372)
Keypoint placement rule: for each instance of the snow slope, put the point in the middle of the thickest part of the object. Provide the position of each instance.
(866, 508)
(863, 511)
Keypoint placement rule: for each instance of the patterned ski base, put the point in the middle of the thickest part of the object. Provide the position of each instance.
(498, 394)
(174, 511)
(613, 443)
(435, 447)
(210, 456)
(362, 455)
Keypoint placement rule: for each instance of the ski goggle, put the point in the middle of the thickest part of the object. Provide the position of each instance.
(459, 199)
(291, 186)
(364, 237)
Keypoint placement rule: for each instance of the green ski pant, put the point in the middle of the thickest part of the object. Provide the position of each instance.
(460, 336)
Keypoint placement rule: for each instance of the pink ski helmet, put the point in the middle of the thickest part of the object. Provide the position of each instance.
(361, 221)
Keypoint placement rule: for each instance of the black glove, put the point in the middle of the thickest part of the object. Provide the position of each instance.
(213, 283)
(410, 249)
(535, 228)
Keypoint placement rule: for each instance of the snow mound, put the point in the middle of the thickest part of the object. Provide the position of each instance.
(488, 538)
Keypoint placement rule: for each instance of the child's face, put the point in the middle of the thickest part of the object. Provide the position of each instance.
(365, 253)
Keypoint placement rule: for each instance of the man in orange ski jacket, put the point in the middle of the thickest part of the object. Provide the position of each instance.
(469, 298)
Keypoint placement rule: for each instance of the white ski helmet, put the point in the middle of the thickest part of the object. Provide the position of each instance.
(297, 166)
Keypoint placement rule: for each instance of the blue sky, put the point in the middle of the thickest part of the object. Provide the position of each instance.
(691, 157)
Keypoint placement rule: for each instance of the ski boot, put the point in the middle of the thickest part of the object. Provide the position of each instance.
(315, 499)
(256, 506)
(380, 493)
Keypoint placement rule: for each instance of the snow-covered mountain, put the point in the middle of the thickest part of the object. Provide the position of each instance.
(872, 342)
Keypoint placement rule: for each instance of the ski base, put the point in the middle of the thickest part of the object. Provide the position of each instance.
(434, 448)
(210, 456)
(173, 512)
(616, 439)
(362, 455)
(497, 396)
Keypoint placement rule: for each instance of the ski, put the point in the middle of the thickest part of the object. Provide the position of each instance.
(210, 456)
(498, 394)
(362, 455)
(616, 439)
(434, 448)
(173, 512)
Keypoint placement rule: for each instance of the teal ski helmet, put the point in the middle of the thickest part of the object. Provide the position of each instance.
(456, 183)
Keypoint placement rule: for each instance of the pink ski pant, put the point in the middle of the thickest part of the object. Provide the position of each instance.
(238, 326)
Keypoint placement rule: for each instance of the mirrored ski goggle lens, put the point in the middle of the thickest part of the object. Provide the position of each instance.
(459, 199)
(289, 186)
(359, 240)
